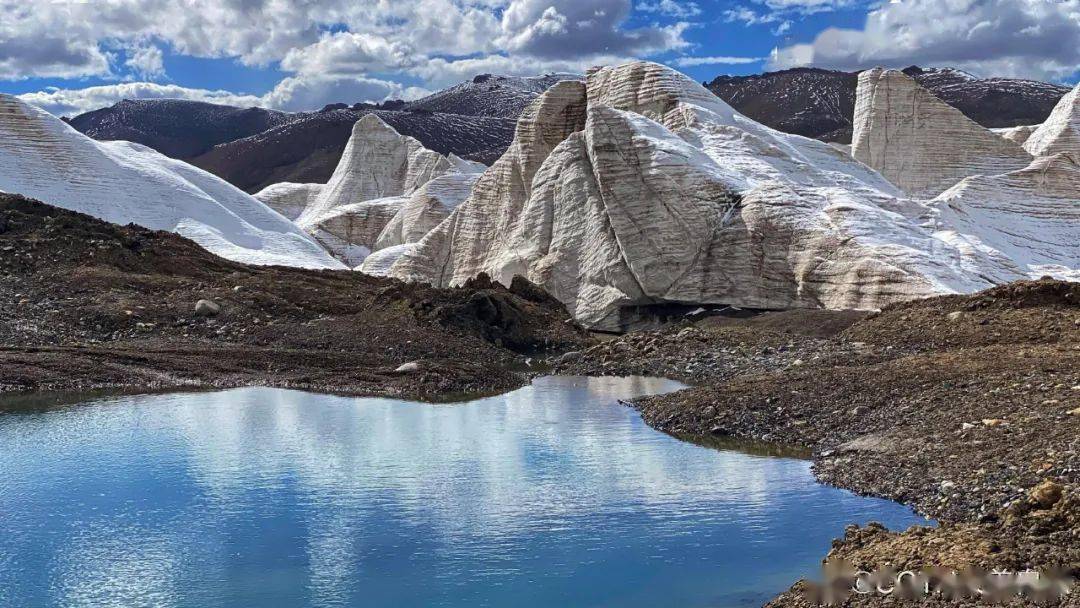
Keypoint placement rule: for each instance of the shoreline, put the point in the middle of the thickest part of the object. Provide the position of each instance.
(958, 407)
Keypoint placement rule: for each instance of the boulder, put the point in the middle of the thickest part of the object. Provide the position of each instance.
(920, 143)
(408, 368)
(207, 308)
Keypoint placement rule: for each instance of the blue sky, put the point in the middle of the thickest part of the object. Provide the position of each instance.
(70, 56)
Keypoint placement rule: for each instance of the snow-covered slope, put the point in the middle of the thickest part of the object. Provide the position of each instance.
(122, 182)
(1017, 225)
(1060, 132)
(920, 143)
(290, 199)
(642, 188)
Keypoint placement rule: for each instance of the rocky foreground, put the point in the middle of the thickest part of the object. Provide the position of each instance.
(93, 305)
(965, 407)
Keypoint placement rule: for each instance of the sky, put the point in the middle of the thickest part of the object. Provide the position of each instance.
(72, 56)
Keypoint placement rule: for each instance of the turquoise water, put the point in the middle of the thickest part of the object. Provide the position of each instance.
(552, 495)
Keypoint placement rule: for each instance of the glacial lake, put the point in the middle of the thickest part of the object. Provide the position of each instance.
(552, 495)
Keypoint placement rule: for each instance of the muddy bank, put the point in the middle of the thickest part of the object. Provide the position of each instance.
(965, 407)
(91, 305)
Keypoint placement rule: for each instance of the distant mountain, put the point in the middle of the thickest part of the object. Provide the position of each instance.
(253, 147)
(821, 103)
(174, 127)
(490, 95)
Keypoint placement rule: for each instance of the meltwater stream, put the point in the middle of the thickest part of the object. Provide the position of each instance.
(552, 495)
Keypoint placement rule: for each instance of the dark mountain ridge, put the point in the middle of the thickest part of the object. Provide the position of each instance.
(820, 103)
(254, 147)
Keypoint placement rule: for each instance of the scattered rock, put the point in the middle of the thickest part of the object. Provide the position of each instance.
(1046, 494)
(956, 315)
(207, 308)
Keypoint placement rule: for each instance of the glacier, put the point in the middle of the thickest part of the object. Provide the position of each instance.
(42, 157)
(639, 187)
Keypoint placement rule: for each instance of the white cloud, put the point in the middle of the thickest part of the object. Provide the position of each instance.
(442, 73)
(71, 102)
(146, 61)
(351, 48)
(349, 53)
(561, 29)
(309, 92)
(1021, 38)
(671, 8)
(809, 6)
(291, 94)
(686, 62)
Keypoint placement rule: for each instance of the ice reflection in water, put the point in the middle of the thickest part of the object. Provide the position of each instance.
(550, 495)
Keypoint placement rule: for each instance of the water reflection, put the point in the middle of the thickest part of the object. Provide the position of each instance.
(550, 495)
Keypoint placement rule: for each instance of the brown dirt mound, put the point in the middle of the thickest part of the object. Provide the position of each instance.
(87, 295)
(1032, 312)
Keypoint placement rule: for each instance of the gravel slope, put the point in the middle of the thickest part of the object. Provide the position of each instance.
(94, 305)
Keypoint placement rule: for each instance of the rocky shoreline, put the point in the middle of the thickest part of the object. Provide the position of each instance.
(964, 407)
(99, 306)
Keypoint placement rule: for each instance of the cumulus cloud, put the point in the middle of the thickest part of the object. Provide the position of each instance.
(146, 61)
(328, 50)
(1019, 38)
(442, 72)
(559, 29)
(308, 92)
(349, 53)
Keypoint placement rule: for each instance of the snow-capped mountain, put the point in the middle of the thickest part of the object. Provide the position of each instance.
(490, 95)
(821, 103)
(121, 182)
